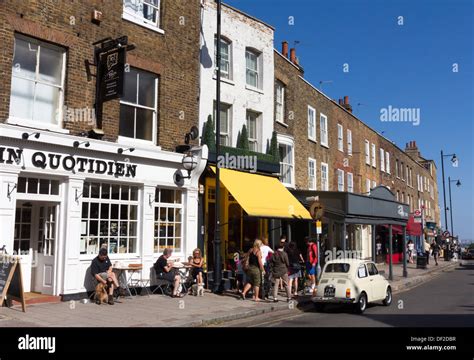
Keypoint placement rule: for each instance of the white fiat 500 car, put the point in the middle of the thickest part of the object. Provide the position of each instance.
(351, 281)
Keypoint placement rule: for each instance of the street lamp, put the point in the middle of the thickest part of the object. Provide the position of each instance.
(189, 163)
(458, 184)
(454, 160)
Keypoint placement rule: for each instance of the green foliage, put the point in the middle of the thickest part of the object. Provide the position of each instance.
(244, 139)
(268, 147)
(274, 147)
(209, 135)
(238, 138)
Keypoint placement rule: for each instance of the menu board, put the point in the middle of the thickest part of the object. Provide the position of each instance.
(11, 286)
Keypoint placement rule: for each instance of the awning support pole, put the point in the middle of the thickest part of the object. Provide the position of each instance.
(374, 247)
(405, 273)
(344, 236)
(390, 253)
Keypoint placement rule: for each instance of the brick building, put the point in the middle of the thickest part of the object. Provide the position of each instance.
(325, 147)
(71, 184)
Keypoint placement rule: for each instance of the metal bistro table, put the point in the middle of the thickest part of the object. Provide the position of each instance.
(183, 270)
(123, 280)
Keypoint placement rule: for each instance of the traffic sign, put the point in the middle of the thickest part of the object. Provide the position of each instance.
(446, 234)
(417, 212)
(319, 227)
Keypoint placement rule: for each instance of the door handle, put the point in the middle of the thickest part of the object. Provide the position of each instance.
(371, 279)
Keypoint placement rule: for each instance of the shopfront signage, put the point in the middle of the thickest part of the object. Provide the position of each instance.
(11, 285)
(112, 74)
(70, 163)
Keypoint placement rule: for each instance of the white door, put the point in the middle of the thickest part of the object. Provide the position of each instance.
(45, 247)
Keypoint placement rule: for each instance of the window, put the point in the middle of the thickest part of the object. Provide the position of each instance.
(372, 269)
(226, 58)
(311, 123)
(367, 152)
(311, 174)
(340, 180)
(367, 186)
(408, 199)
(324, 177)
(143, 12)
(398, 195)
(337, 268)
(403, 197)
(350, 182)
(362, 271)
(109, 218)
(253, 129)
(402, 175)
(407, 172)
(168, 220)
(252, 68)
(340, 137)
(410, 177)
(23, 224)
(280, 102)
(286, 148)
(396, 169)
(374, 184)
(37, 87)
(349, 142)
(374, 158)
(225, 123)
(418, 182)
(37, 186)
(387, 162)
(382, 160)
(323, 126)
(138, 106)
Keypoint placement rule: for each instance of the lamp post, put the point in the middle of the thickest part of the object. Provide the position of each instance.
(458, 184)
(453, 160)
(217, 226)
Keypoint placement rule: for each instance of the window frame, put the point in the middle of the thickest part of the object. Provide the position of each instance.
(229, 74)
(59, 124)
(288, 142)
(350, 184)
(340, 180)
(324, 131)
(311, 134)
(142, 21)
(324, 179)
(387, 162)
(257, 54)
(340, 137)
(374, 155)
(382, 159)
(128, 139)
(280, 115)
(349, 142)
(253, 140)
(228, 134)
(313, 182)
(179, 206)
(367, 152)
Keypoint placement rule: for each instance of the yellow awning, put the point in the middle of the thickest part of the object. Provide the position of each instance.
(262, 196)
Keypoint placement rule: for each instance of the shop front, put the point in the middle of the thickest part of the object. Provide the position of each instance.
(64, 197)
(250, 204)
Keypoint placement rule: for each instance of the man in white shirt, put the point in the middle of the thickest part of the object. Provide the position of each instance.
(266, 251)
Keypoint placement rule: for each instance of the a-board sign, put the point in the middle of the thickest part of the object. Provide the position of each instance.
(11, 285)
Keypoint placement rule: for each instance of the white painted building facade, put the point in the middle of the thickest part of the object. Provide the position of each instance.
(60, 203)
(247, 75)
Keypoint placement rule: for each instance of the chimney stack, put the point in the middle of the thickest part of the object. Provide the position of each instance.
(293, 55)
(346, 104)
(284, 49)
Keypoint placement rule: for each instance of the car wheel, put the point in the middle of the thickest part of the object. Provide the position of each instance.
(319, 307)
(361, 304)
(388, 297)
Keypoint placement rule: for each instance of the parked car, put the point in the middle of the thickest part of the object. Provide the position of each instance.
(468, 255)
(352, 281)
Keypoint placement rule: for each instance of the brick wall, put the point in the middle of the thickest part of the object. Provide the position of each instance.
(173, 56)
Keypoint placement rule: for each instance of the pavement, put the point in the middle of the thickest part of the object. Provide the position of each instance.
(190, 311)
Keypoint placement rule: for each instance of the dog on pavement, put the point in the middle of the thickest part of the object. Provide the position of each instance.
(101, 296)
(198, 290)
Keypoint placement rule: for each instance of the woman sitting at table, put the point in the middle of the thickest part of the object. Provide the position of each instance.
(165, 271)
(196, 266)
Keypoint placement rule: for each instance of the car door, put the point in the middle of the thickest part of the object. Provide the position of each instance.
(363, 281)
(377, 282)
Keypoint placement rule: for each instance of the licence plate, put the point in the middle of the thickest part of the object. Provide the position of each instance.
(329, 291)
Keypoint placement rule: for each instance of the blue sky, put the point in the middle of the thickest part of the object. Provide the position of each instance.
(405, 66)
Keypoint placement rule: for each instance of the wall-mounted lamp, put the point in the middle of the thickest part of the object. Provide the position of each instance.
(76, 143)
(78, 196)
(10, 191)
(25, 135)
(189, 162)
(121, 150)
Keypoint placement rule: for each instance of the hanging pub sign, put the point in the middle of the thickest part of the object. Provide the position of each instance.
(112, 67)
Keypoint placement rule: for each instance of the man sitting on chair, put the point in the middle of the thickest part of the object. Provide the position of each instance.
(164, 271)
(101, 270)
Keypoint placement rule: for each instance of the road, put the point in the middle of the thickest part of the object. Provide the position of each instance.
(445, 301)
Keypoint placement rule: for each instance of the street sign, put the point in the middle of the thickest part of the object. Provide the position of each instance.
(316, 210)
(319, 227)
(446, 234)
(112, 65)
(417, 216)
(417, 212)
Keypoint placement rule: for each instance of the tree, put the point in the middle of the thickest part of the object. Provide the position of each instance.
(238, 140)
(274, 147)
(268, 147)
(209, 136)
(244, 139)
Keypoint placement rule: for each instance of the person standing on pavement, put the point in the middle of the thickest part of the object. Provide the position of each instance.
(427, 251)
(279, 264)
(267, 253)
(435, 248)
(410, 250)
(311, 261)
(294, 269)
(254, 272)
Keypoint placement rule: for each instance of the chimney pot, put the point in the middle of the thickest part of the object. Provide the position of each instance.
(284, 48)
(346, 100)
(340, 102)
(293, 55)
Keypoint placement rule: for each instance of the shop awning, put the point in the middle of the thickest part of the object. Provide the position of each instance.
(262, 196)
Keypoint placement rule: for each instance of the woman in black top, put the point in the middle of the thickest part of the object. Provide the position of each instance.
(254, 271)
(294, 270)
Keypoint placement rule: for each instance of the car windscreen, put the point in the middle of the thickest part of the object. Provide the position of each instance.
(337, 268)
